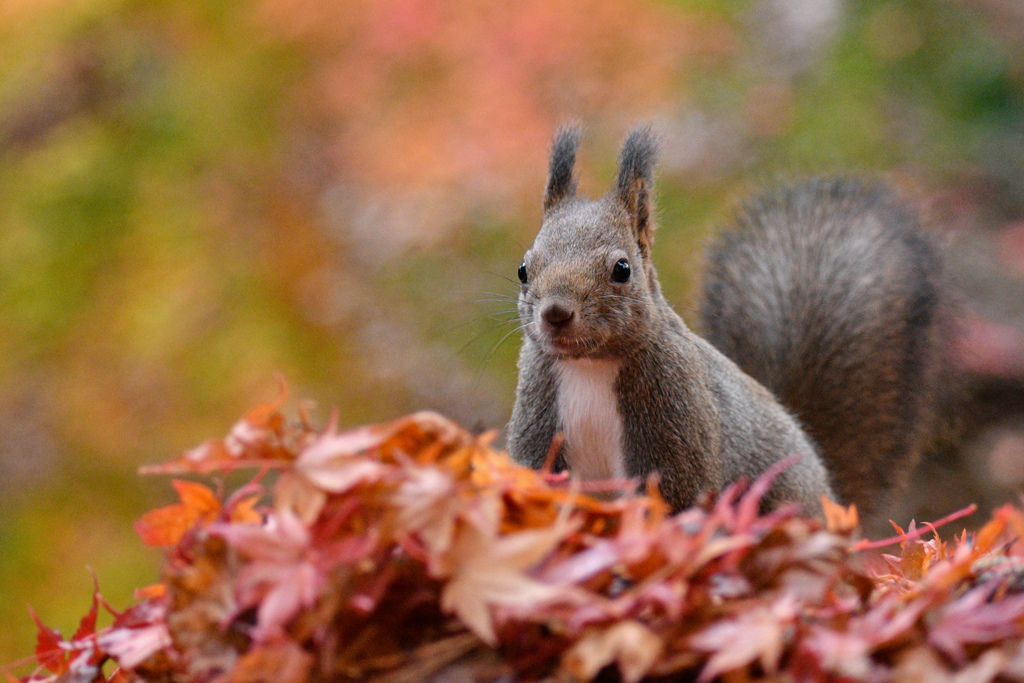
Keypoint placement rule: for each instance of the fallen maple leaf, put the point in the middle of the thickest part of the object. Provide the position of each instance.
(382, 547)
(629, 644)
(839, 519)
(755, 635)
(973, 619)
(133, 645)
(80, 659)
(294, 494)
(280, 662)
(165, 526)
(428, 506)
(489, 571)
(48, 647)
(281, 576)
(331, 463)
(841, 652)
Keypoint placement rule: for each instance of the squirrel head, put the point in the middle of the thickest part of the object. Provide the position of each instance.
(588, 285)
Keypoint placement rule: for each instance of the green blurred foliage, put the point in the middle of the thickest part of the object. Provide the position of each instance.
(195, 197)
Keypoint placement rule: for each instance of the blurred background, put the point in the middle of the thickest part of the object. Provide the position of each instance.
(195, 197)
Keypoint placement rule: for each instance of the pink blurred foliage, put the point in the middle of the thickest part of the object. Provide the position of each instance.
(464, 96)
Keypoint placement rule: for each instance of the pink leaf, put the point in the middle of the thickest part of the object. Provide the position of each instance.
(293, 588)
(490, 571)
(754, 635)
(132, 646)
(282, 538)
(332, 462)
(972, 619)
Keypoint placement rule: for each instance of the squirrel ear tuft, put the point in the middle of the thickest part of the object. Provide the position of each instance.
(635, 182)
(561, 180)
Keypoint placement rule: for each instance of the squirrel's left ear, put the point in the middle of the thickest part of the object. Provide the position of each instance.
(635, 183)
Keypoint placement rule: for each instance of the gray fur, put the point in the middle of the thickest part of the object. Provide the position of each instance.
(635, 184)
(561, 183)
(689, 413)
(538, 414)
(832, 296)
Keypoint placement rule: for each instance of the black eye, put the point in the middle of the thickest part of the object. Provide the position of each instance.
(522, 273)
(620, 271)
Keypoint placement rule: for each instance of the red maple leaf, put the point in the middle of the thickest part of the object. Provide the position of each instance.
(48, 647)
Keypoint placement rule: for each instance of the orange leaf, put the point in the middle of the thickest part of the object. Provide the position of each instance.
(839, 519)
(630, 644)
(165, 526)
(244, 512)
(153, 591)
(989, 534)
(284, 662)
(268, 415)
(914, 560)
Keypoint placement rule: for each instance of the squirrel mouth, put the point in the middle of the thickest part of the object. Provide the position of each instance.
(570, 346)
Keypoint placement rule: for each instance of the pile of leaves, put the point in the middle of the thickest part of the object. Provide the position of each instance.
(413, 551)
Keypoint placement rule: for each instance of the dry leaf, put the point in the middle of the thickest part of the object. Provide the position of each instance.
(629, 644)
(165, 526)
(755, 635)
(489, 571)
(384, 543)
(839, 519)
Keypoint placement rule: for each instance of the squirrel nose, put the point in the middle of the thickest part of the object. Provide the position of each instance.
(556, 314)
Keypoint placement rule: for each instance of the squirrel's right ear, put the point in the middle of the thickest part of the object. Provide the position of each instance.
(561, 180)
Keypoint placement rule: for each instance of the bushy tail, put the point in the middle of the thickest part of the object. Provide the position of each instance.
(831, 295)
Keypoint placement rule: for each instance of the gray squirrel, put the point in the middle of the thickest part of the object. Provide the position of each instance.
(825, 315)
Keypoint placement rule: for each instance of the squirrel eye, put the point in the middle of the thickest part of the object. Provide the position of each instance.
(522, 273)
(620, 271)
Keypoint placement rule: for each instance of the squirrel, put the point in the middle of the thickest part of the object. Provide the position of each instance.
(825, 314)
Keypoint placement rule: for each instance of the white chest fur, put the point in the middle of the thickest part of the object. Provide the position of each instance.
(589, 415)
